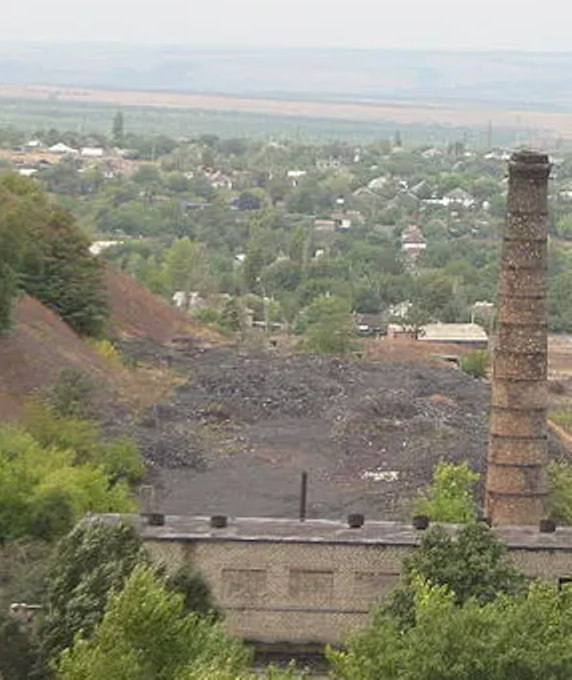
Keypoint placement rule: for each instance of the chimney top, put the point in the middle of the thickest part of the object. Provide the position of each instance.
(529, 163)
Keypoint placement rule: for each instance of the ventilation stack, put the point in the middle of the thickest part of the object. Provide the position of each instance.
(516, 491)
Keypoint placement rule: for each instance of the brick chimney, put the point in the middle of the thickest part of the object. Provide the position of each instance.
(516, 491)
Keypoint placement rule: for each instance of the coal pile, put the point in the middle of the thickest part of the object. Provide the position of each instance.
(236, 433)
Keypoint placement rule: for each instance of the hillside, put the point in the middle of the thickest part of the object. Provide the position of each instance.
(40, 345)
(137, 313)
(499, 79)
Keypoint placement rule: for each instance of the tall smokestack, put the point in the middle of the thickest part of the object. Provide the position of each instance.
(516, 491)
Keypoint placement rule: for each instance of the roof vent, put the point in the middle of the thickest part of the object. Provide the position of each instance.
(219, 521)
(421, 522)
(156, 519)
(356, 520)
(547, 526)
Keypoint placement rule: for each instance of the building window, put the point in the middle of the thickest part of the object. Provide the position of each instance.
(244, 586)
(311, 586)
(372, 585)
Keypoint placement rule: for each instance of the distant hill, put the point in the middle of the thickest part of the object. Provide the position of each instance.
(522, 80)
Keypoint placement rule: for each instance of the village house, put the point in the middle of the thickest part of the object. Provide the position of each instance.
(467, 334)
(324, 225)
(412, 240)
(91, 152)
(456, 197)
(330, 163)
(369, 325)
(62, 149)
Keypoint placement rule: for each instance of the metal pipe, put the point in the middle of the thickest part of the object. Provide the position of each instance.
(303, 495)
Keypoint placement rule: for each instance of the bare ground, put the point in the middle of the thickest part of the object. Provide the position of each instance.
(236, 435)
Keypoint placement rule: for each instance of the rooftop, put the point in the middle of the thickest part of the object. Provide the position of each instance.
(262, 529)
(453, 332)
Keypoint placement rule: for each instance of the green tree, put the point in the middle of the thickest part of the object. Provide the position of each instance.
(526, 637)
(186, 265)
(560, 302)
(434, 291)
(92, 561)
(20, 202)
(59, 270)
(17, 653)
(451, 495)
(118, 129)
(564, 226)
(145, 633)
(43, 490)
(329, 329)
(118, 457)
(196, 592)
(472, 564)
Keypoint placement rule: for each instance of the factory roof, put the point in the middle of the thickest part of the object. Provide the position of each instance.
(378, 533)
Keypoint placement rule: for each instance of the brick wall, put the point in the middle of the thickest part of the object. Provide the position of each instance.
(289, 592)
(315, 582)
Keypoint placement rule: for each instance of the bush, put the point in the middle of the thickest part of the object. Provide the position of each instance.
(119, 457)
(560, 492)
(207, 315)
(475, 363)
(43, 491)
(71, 395)
(106, 349)
(329, 326)
(451, 495)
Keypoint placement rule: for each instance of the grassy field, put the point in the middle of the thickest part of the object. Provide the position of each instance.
(180, 114)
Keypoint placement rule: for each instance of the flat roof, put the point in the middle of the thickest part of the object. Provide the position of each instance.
(322, 531)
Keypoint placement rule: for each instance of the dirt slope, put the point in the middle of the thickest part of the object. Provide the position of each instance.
(40, 345)
(137, 313)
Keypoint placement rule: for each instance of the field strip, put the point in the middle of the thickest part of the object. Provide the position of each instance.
(556, 122)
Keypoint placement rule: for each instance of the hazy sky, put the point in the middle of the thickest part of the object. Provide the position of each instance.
(448, 24)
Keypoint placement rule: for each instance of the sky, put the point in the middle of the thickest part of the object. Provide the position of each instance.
(424, 24)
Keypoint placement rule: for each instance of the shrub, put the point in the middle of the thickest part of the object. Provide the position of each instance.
(207, 315)
(475, 363)
(451, 495)
(72, 393)
(106, 349)
(43, 491)
(560, 492)
(119, 457)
